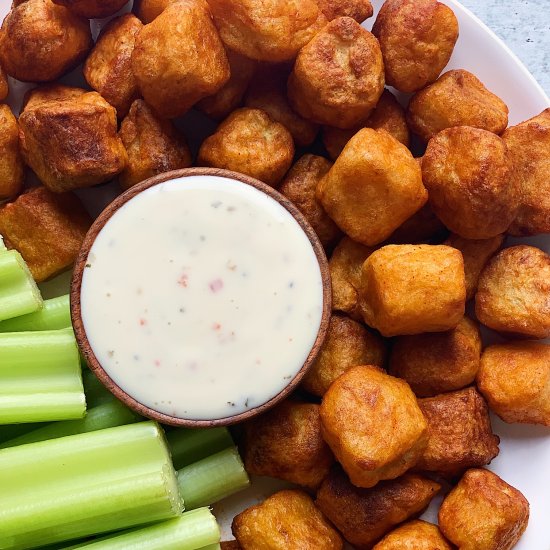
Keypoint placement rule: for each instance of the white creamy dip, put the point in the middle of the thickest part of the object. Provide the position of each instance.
(202, 297)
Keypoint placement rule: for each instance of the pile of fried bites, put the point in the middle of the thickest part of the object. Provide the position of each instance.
(396, 408)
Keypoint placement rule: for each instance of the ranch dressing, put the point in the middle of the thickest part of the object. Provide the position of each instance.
(202, 297)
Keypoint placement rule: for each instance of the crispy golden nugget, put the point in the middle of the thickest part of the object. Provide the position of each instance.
(12, 171)
(46, 228)
(363, 516)
(287, 519)
(92, 9)
(360, 10)
(515, 380)
(153, 145)
(468, 175)
(411, 289)
(179, 58)
(529, 148)
(513, 292)
(230, 545)
(347, 345)
(476, 254)
(50, 92)
(299, 186)
(423, 226)
(149, 10)
(414, 535)
(72, 143)
(108, 69)
(483, 512)
(438, 362)
(286, 443)
(267, 30)
(40, 41)
(268, 93)
(417, 38)
(230, 96)
(4, 89)
(373, 425)
(373, 187)
(338, 77)
(345, 265)
(456, 98)
(250, 142)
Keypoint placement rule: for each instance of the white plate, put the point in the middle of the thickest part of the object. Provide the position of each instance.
(524, 459)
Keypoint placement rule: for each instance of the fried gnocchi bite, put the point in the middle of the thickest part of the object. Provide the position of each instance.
(515, 380)
(469, 177)
(4, 89)
(456, 98)
(12, 170)
(179, 59)
(363, 516)
(513, 292)
(299, 186)
(417, 38)
(347, 345)
(251, 143)
(149, 10)
(49, 92)
(153, 145)
(483, 512)
(286, 443)
(41, 41)
(373, 425)
(414, 535)
(422, 226)
(338, 77)
(230, 545)
(92, 9)
(373, 187)
(360, 10)
(72, 143)
(108, 69)
(267, 30)
(46, 228)
(287, 519)
(411, 289)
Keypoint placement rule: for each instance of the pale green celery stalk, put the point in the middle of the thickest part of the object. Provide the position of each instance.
(96, 392)
(40, 377)
(213, 478)
(19, 294)
(86, 484)
(55, 314)
(211, 547)
(190, 445)
(11, 431)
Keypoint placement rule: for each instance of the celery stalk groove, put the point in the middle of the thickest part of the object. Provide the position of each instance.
(55, 314)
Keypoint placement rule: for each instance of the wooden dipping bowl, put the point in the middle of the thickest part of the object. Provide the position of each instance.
(76, 313)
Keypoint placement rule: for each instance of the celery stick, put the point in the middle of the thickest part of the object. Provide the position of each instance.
(96, 392)
(85, 484)
(19, 294)
(11, 431)
(211, 479)
(40, 377)
(55, 314)
(190, 445)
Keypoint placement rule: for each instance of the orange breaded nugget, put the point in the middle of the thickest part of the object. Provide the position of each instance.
(72, 143)
(515, 380)
(4, 89)
(529, 148)
(267, 30)
(286, 443)
(417, 38)
(469, 177)
(230, 545)
(483, 512)
(248, 141)
(149, 10)
(373, 425)
(347, 345)
(12, 170)
(179, 59)
(338, 77)
(356, 9)
(299, 186)
(414, 535)
(373, 187)
(108, 69)
(50, 92)
(363, 516)
(456, 98)
(41, 41)
(46, 228)
(422, 226)
(438, 362)
(287, 519)
(411, 289)
(513, 292)
(92, 9)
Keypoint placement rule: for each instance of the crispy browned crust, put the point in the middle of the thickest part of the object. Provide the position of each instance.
(484, 512)
(414, 535)
(149, 10)
(46, 228)
(360, 10)
(50, 92)
(92, 9)
(4, 89)
(363, 516)
(12, 170)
